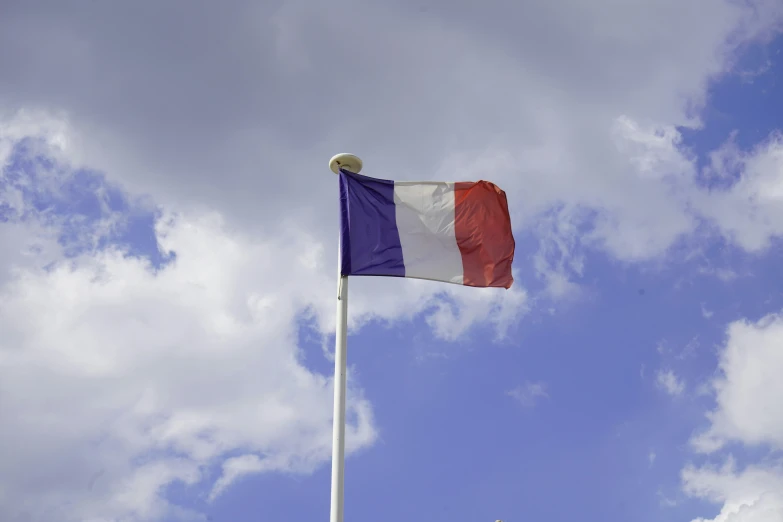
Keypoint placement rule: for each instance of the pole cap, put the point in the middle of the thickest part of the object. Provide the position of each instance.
(345, 161)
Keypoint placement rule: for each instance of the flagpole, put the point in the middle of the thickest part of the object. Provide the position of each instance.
(353, 164)
(338, 423)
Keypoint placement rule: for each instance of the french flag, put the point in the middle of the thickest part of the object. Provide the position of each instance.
(452, 232)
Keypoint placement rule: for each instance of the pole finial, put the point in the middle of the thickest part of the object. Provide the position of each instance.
(345, 161)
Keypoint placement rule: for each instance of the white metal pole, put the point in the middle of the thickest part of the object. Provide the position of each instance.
(338, 428)
(352, 164)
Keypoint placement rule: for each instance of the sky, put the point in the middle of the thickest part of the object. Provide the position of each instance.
(169, 243)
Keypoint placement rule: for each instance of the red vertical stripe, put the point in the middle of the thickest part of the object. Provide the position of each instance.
(483, 230)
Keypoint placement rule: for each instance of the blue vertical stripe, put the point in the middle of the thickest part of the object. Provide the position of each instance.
(369, 241)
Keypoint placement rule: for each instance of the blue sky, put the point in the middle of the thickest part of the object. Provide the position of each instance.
(167, 277)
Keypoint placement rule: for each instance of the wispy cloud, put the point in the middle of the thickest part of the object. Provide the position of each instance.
(529, 394)
(669, 382)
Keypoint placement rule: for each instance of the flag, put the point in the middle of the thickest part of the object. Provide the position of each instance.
(442, 231)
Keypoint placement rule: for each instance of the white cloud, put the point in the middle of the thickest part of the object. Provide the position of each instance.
(748, 393)
(583, 122)
(459, 308)
(753, 495)
(529, 394)
(51, 132)
(123, 363)
(558, 259)
(668, 381)
(689, 350)
(235, 468)
(749, 212)
(748, 389)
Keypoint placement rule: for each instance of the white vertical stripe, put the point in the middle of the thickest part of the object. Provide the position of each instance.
(425, 221)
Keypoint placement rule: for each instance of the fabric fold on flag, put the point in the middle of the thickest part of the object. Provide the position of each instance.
(455, 232)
